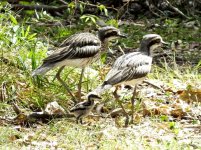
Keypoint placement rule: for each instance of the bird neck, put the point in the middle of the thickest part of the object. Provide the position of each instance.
(91, 101)
(102, 37)
(146, 49)
(104, 46)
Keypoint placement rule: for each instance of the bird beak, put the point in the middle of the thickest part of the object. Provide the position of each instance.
(99, 97)
(122, 36)
(163, 42)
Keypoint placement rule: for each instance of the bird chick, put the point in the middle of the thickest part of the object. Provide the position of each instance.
(83, 109)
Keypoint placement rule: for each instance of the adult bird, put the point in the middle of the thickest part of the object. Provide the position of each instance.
(83, 109)
(131, 69)
(79, 50)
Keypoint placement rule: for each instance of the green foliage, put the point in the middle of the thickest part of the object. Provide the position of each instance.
(25, 45)
(112, 22)
(103, 9)
(71, 7)
(89, 18)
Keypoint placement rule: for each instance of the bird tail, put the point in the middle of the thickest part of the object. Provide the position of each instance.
(100, 89)
(42, 69)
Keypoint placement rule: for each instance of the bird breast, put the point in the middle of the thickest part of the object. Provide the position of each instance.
(79, 62)
(134, 81)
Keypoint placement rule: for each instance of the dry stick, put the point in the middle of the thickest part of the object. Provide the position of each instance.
(155, 86)
(54, 8)
(176, 9)
(16, 109)
(17, 1)
(40, 115)
(39, 7)
(121, 11)
(63, 2)
(96, 6)
(150, 9)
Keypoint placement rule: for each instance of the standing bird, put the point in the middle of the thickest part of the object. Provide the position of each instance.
(131, 69)
(83, 109)
(79, 50)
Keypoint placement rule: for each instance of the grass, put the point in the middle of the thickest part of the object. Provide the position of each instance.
(65, 134)
(25, 45)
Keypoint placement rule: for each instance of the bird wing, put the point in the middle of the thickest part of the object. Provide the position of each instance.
(128, 67)
(82, 45)
(81, 106)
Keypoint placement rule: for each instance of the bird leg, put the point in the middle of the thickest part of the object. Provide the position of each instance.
(64, 84)
(80, 84)
(119, 102)
(79, 119)
(132, 102)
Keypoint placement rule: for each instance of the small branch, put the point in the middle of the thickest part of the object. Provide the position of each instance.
(39, 7)
(63, 2)
(155, 86)
(96, 6)
(176, 9)
(150, 5)
(26, 119)
(16, 109)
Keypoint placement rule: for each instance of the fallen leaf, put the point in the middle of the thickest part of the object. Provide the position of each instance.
(191, 95)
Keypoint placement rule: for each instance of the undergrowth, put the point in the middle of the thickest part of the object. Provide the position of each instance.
(23, 46)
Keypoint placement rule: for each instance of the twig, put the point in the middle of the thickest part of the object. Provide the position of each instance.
(176, 9)
(24, 118)
(155, 86)
(121, 11)
(150, 9)
(54, 8)
(16, 109)
(96, 6)
(39, 7)
(63, 2)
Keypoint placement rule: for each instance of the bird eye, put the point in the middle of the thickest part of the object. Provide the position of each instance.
(157, 41)
(113, 33)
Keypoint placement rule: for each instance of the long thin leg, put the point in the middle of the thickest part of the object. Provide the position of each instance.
(120, 104)
(132, 102)
(80, 84)
(79, 118)
(64, 84)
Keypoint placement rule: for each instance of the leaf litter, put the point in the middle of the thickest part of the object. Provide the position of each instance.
(178, 119)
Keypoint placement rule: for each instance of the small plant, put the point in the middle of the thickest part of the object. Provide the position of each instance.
(89, 18)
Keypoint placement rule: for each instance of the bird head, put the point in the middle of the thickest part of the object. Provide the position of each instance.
(93, 96)
(152, 41)
(108, 33)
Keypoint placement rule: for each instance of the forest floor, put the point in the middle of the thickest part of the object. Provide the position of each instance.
(167, 119)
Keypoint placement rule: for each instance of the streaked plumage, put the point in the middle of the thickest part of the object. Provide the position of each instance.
(79, 50)
(131, 68)
(83, 109)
